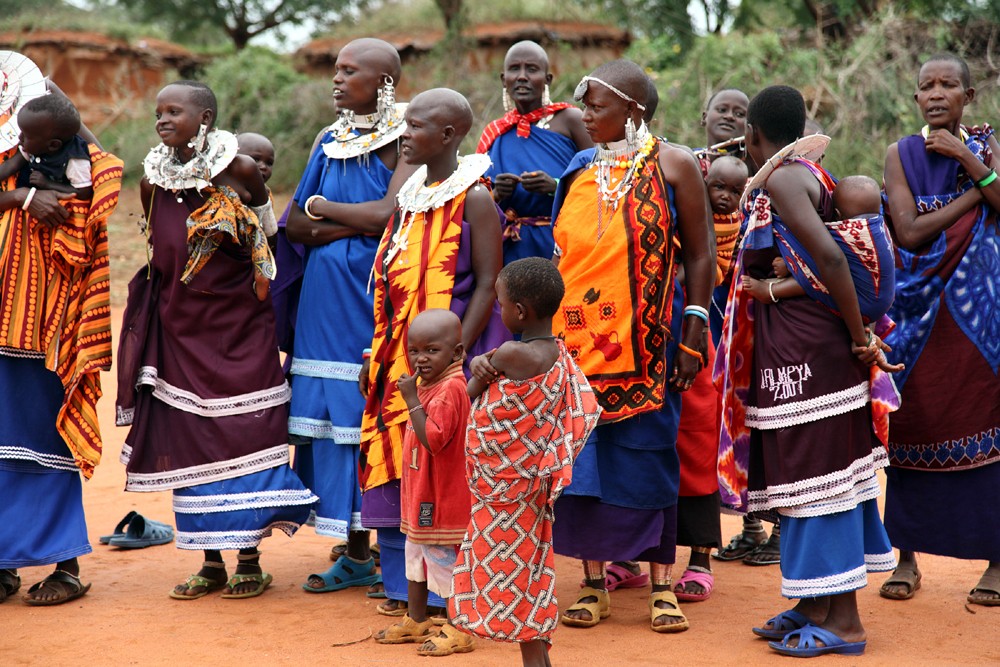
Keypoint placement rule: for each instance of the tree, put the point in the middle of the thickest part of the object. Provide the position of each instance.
(241, 19)
(451, 10)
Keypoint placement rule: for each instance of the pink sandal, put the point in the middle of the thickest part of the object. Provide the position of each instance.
(697, 575)
(620, 577)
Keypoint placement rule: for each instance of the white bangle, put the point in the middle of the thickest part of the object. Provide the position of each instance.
(308, 206)
(770, 290)
(27, 200)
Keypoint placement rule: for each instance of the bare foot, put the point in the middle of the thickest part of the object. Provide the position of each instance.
(757, 289)
(666, 620)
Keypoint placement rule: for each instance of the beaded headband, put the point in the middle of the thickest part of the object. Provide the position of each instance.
(581, 90)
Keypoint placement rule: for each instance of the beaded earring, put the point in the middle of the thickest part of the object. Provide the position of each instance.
(386, 98)
(198, 143)
(508, 104)
(630, 134)
(546, 100)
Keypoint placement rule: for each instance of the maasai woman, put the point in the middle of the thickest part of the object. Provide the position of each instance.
(55, 337)
(799, 395)
(615, 251)
(528, 161)
(942, 198)
(442, 250)
(341, 207)
(200, 379)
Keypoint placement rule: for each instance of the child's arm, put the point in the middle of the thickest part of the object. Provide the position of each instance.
(418, 418)
(483, 373)
(781, 289)
(43, 182)
(12, 165)
(487, 259)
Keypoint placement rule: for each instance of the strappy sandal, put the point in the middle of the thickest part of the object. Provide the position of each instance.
(349, 572)
(990, 583)
(119, 529)
(400, 610)
(340, 549)
(621, 577)
(598, 610)
(767, 552)
(782, 624)
(262, 579)
(907, 577)
(450, 640)
(10, 583)
(194, 581)
(674, 612)
(406, 631)
(739, 546)
(696, 575)
(67, 585)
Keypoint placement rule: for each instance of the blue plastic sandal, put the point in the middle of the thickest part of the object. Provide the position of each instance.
(807, 647)
(142, 533)
(782, 624)
(342, 570)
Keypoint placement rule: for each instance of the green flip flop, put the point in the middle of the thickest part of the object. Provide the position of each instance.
(194, 581)
(263, 580)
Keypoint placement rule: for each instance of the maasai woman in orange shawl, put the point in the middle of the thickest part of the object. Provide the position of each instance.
(55, 335)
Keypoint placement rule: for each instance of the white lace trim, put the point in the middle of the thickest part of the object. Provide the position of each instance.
(21, 354)
(164, 169)
(321, 429)
(231, 539)
(844, 582)
(203, 474)
(815, 489)
(124, 417)
(233, 502)
(213, 407)
(333, 370)
(335, 527)
(881, 562)
(47, 460)
(813, 409)
(866, 489)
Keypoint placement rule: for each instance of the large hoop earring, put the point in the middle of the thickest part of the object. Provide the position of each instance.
(386, 99)
(546, 100)
(508, 104)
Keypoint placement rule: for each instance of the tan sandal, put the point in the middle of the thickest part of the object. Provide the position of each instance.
(598, 610)
(405, 632)
(655, 613)
(400, 610)
(450, 640)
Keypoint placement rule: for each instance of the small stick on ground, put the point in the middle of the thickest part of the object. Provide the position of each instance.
(363, 639)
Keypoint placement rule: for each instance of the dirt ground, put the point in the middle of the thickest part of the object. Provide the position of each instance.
(128, 619)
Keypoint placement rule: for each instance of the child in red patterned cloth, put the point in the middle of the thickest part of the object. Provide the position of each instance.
(532, 414)
(435, 500)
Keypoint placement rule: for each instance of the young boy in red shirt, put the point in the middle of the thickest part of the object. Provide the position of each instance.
(436, 501)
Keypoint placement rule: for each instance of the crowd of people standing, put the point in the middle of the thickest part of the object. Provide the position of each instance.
(582, 339)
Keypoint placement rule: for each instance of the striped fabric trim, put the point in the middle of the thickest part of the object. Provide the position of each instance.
(335, 527)
(232, 539)
(233, 502)
(188, 401)
(844, 582)
(20, 354)
(322, 429)
(203, 474)
(332, 370)
(793, 413)
(47, 460)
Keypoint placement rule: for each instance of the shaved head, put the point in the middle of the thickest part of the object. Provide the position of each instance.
(627, 77)
(437, 324)
(378, 55)
(445, 107)
(528, 50)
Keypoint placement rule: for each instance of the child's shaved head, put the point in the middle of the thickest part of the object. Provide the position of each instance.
(438, 323)
(534, 282)
(727, 166)
(64, 119)
(857, 197)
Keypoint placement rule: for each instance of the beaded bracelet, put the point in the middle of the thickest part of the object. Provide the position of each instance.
(698, 311)
(309, 213)
(693, 353)
(415, 408)
(987, 179)
(366, 353)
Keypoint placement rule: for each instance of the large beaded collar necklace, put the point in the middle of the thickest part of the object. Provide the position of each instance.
(417, 197)
(347, 142)
(624, 154)
(165, 170)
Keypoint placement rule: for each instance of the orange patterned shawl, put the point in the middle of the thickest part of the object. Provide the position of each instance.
(615, 316)
(419, 278)
(55, 300)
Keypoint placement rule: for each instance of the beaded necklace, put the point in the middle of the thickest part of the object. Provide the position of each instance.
(163, 168)
(347, 142)
(621, 155)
